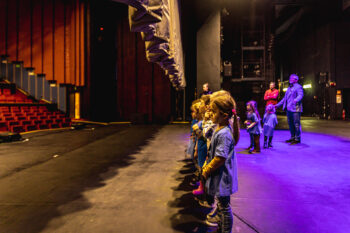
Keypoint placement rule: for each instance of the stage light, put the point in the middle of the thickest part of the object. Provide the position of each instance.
(285, 89)
(307, 86)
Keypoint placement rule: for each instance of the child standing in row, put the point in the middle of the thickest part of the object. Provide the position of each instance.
(253, 127)
(201, 146)
(220, 170)
(270, 122)
(192, 142)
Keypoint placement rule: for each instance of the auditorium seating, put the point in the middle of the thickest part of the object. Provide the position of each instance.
(19, 113)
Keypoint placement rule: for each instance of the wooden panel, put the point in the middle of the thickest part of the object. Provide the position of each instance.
(76, 45)
(59, 42)
(24, 32)
(48, 39)
(70, 43)
(82, 45)
(67, 41)
(37, 50)
(12, 30)
(3, 27)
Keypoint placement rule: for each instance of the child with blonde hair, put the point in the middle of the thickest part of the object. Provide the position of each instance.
(201, 146)
(194, 113)
(220, 170)
(254, 128)
(270, 122)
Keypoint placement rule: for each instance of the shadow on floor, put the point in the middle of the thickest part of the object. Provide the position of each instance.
(190, 215)
(33, 197)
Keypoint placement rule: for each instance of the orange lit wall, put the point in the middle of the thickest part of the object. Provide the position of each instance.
(47, 35)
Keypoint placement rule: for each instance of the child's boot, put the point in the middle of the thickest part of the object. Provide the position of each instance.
(265, 142)
(270, 142)
(256, 143)
(199, 190)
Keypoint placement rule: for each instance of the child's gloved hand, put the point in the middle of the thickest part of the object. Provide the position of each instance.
(195, 127)
(212, 166)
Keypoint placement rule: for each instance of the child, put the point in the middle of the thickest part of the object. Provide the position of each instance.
(201, 146)
(220, 170)
(191, 145)
(253, 127)
(270, 122)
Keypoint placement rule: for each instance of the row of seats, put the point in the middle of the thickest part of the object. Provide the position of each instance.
(21, 123)
(7, 97)
(21, 118)
(5, 92)
(24, 126)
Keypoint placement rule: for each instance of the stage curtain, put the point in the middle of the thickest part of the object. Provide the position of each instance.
(158, 21)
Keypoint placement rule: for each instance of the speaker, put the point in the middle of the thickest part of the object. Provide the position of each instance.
(322, 78)
(227, 68)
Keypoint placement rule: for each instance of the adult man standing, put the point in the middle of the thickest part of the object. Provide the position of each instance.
(292, 101)
(271, 95)
(206, 90)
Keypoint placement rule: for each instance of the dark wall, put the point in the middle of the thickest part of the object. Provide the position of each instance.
(320, 43)
(124, 86)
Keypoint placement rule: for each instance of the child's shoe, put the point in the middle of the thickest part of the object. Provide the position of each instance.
(270, 142)
(213, 221)
(199, 190)
(265, 144)
(254, 151)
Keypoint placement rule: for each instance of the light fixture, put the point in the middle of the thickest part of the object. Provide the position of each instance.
(307, 86)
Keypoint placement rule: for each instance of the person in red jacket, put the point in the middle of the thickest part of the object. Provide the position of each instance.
(271, 95)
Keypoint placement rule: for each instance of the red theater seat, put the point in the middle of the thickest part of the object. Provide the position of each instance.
(3, 126)
(43, 126)
(54, 125)
(21, 118)
(26, 122)
(17, 129)
(6, 92)
(30, 127)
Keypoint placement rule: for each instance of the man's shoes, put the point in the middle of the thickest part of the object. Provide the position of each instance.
(295, 142)
(290, 140)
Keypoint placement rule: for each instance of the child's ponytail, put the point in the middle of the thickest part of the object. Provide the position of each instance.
(235, 126)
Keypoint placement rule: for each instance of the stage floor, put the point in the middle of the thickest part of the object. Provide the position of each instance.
(135, 179)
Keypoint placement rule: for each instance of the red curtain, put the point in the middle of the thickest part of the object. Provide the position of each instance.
(142, 87)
